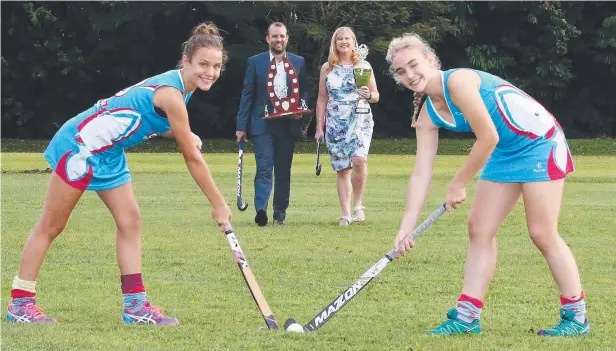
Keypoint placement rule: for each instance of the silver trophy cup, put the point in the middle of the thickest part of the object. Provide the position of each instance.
(362, 71)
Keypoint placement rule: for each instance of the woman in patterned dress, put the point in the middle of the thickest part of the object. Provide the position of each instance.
(349, 121)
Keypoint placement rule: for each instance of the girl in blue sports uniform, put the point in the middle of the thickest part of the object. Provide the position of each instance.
(523, 152)
(87, 153)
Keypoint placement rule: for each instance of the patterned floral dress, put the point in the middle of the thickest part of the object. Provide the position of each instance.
(349, 124)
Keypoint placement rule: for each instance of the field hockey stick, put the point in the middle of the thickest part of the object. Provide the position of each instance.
(241, 205)
(344, 298)
(318, 166)
(250, 280)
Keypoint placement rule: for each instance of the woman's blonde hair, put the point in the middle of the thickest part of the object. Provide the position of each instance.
(406, 41)
(334, 59)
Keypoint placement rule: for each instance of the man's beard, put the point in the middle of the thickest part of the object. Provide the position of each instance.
(277, 51)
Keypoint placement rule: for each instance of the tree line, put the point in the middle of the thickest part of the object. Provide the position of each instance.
(58, 58)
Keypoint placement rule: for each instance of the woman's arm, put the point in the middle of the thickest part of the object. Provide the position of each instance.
(171, 100)
(198, 142)
(373, 96)
(322, 98)
(421, 177)
(464, 91)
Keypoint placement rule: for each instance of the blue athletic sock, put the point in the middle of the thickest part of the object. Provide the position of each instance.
(18, 301)
(134, 301)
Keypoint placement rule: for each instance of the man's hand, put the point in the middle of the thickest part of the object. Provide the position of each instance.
(240, 134)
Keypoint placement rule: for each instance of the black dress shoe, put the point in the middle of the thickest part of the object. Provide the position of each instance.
(261, 218)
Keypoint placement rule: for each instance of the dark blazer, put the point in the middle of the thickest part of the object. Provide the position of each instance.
(255, 97)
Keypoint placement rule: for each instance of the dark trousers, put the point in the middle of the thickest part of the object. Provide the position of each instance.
(273, 155)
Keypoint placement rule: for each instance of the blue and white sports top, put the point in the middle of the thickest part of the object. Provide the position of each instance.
(125, 119)
(532, 145)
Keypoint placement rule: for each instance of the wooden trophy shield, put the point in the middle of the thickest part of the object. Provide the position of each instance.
(289, 105)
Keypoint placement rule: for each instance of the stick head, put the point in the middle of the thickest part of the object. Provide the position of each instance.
(242, 206)
(318, 166)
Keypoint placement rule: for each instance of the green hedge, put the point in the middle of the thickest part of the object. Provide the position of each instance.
(595, 147)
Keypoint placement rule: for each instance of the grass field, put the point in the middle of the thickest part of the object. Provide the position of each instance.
(189, 270)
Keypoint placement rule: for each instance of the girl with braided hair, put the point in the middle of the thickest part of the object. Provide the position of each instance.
(523, 152)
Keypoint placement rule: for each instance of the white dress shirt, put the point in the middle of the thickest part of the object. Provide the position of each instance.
(280, 79)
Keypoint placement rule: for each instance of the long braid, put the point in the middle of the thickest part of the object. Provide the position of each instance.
(409, 40)
(418, 100)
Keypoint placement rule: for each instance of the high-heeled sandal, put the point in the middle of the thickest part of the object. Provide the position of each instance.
(345, 221)
(356, 218)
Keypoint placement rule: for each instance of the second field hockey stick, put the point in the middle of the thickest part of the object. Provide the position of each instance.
(344, 298)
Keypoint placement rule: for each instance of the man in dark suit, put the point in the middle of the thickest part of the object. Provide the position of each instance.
(274, 139)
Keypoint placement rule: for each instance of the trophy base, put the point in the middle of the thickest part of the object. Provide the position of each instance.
(298, 114)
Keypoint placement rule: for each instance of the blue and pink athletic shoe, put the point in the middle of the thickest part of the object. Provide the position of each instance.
(147, 314)
(27, 312)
